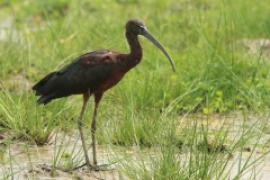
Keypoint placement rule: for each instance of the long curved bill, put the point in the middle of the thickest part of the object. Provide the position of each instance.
(158, 45)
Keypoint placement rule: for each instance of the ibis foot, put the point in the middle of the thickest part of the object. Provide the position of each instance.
(102, 167)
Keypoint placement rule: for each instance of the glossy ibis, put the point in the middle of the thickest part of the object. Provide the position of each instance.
(94, 73)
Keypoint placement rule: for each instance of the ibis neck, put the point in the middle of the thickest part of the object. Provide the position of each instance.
(135, 55)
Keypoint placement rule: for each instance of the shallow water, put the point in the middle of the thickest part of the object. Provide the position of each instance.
(33, 162)
(25, 161)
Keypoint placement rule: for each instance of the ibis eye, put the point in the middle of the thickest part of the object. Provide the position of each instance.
(141, 28)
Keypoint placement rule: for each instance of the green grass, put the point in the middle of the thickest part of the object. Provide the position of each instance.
(215, 73)
(26, 121)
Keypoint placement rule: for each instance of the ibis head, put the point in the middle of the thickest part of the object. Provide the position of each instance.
(137, 27)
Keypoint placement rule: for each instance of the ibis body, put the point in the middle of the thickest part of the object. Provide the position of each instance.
(92, 74)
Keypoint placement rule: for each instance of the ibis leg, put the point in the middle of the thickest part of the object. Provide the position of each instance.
(94, 127)
(85, 100)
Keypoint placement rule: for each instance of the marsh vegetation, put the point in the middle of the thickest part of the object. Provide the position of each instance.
(209, 120)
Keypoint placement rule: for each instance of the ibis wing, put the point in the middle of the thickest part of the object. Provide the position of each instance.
(82, 75)
(80, 78)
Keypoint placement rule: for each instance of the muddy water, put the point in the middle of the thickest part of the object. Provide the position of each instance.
(34, 162)
(7, 30)
(234, 125)
(25, 161)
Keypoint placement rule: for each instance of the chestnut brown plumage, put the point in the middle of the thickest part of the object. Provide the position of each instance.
(94, 73)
